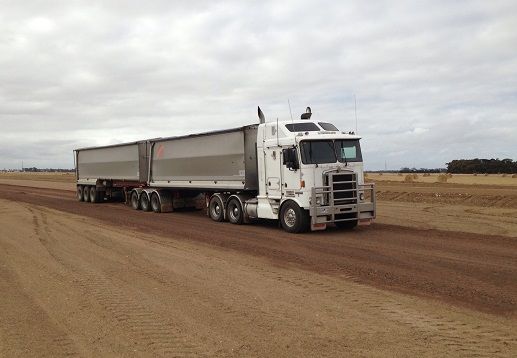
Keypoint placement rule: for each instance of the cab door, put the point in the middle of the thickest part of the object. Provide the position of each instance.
(273, 164)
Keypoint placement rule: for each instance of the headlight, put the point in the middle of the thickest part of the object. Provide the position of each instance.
(361, 196)
(318, 201)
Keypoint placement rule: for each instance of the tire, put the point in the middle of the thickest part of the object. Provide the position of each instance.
(155, 203)
(216, 209)
(135, 203)
(346, 225)
(145, 203)
(234, 211)
(293, 218)
(86, 193)
(94, 195)
(80, 193)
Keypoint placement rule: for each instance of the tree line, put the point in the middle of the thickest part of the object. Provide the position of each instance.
(490, 166)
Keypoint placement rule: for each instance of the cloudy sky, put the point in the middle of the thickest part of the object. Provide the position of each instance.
(434, 80)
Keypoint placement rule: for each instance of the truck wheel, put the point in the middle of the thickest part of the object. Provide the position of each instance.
(145, 203)
(135, 203)
(293, 218)
(234, 211)
(80, 193)
(216, 209)
(93, 194)
(86, 193)
(347, 225)
(155, 203)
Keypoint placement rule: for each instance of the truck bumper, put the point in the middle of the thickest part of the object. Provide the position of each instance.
(361, 207)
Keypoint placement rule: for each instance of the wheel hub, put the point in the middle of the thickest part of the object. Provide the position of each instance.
(290, 217)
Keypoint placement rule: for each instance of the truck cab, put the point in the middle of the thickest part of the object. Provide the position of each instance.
(310, 175)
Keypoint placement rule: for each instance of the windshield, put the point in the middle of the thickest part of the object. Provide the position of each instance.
(330, 151)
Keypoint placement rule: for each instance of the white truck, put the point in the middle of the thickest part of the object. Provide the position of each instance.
(305, 173)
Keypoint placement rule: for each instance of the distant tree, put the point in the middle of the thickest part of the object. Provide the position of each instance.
(490, 166)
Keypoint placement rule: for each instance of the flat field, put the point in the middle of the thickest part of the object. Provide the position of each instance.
(436, 275)
(463, 179)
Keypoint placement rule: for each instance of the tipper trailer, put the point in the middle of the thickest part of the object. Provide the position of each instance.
(304, 173)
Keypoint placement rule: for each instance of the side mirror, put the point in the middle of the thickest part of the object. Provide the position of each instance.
(290, 158)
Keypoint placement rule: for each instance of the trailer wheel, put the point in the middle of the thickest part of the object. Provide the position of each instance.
(94, 195)
(216, 209)
(155, 203)
(80, 193)
(234, 211)
(86, 193)
(293, 218)
(135, 203)
(145, 203)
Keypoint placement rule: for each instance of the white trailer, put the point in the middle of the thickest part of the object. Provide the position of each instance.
(304, 173)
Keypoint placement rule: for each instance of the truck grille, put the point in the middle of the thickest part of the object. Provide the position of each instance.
(343, 181)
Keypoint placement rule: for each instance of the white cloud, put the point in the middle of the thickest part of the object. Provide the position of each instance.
(434, 81)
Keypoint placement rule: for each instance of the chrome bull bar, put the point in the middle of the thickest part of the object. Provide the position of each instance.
(353, 207)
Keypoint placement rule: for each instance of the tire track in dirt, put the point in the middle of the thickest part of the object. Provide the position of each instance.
(462, 338)
(23, 312)
(243, 314)
(158, 334)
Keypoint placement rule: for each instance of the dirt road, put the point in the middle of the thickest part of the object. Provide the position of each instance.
(104, 280)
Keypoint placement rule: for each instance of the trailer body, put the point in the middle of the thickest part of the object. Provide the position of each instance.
(121, 162)
(220, 160)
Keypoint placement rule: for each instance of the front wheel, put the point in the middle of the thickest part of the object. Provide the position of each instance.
(293, 218)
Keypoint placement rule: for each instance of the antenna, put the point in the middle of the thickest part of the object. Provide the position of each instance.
(291, 112)
(355, 109)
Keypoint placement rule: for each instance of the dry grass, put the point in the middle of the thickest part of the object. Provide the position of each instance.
(442, 178)
(409, 179)
(55, 177)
